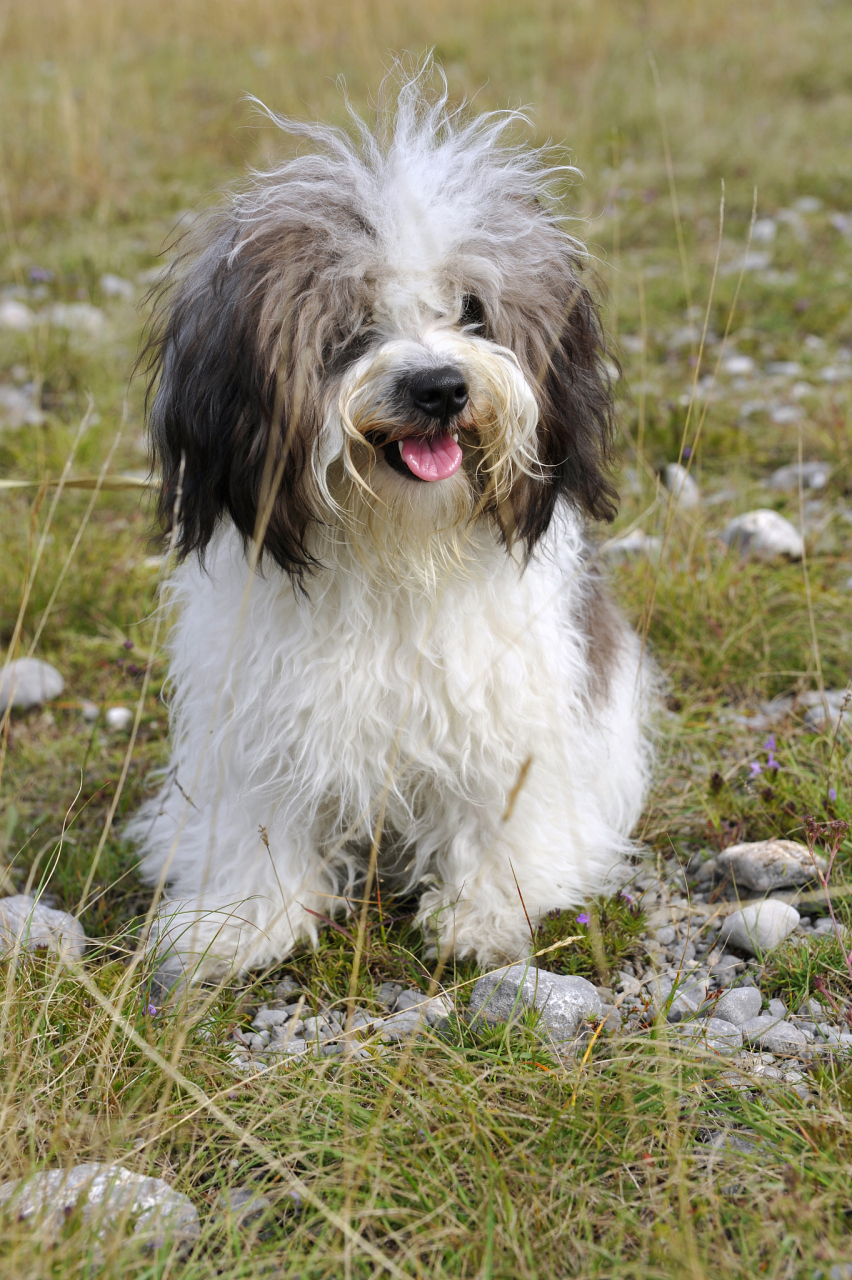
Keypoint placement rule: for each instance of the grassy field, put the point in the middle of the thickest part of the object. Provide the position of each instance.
(478, 1154)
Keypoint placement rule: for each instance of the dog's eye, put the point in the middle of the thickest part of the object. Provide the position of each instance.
(472, 311)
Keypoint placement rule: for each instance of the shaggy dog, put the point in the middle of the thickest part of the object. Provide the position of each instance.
(381, 412)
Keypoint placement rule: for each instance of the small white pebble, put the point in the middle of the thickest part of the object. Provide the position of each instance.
(90, 711)
(119, 718)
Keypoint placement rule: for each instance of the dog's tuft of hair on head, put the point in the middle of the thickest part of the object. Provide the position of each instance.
(433, 232)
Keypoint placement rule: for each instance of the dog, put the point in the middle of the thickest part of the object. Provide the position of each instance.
(381, 414)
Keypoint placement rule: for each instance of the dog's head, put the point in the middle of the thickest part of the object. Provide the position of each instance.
(386, 340)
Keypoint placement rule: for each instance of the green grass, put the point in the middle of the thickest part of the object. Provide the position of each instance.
(477, 1153)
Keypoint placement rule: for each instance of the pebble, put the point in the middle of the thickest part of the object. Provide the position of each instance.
(16, 316)
(119, 718)
(768, 864)
(117, 287)
(107, 1194)
(33, 926)
(764, 534)
(759, 927)
(19, 407)
(712, 1033)
(738, 1005)
(738, 366)
(89, 711)
(682, 487)
(565, 1002)
(635, 543)
(28, 682)
(813, 475)
(839, 705)
(78, 317)
(241, 1207)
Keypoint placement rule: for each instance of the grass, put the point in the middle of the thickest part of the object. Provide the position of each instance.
(475, 1153)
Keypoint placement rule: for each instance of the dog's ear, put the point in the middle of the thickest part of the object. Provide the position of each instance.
(568, 363)
(222, 404)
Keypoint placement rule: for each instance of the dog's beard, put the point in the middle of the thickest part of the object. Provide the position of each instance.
(416, 531)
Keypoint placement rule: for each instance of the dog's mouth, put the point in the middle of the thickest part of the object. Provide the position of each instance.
(429, 458)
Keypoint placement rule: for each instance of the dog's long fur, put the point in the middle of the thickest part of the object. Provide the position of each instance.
(357, 652)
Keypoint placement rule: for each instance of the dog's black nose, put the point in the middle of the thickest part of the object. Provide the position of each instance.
(439, 393)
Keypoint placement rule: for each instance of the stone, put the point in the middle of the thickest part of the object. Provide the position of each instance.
(265, 1018)
(19, 407)
(78, 317)
(29, 924)
(738, 366)
(755, 1029)
(387, 994)
(785, 1039)
(724, 966)
(777, 1009)
(399, 1026)
(764, 534)
(89, 711)
(666, 935)
(832, 707)
(16, 316)
(286, 988)
(28, 682)
(738, 1005)
(635, 543)
(433, 1009)
(712, 1033)
(769, 864)
(813, 475)
(241, 1207)
(321, 1028)
(118, 718)
(107, 1194)
(682, 487)
(564, 1002)
(116, 287)
(759, 927)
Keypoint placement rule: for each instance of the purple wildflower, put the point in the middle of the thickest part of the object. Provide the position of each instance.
(151, 1011)
(756, 768)
(40, 275)
(582, 918)
(832, 793)
(687, 451)
(628, 897)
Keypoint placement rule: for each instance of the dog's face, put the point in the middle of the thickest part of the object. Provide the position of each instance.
(385, 342)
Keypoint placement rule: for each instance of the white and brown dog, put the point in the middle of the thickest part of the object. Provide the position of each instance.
(381, 412)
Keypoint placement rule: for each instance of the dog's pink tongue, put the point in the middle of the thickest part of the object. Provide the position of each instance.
(432, 459)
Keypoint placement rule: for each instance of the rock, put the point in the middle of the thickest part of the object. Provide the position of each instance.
(89, 711)
(724, 966)
(399, 1026)
(666, 935)
(265, 1019)
(756, 1029)
(116, 287)
(286, 988)
(634, 543)
(16, 315)
(19, 407)
(785, 1039)
(28, 682)
(759, 927)
(321, 1028)
(764, 534)
(106, 1193)
(738, 366)
(837, 703)
(387, 994)
(769, 864)
(682, 487)
(564, 1002)
(777, 1009)
(241, 1207)
(725, 1140)
(813, 475)
(118, 718)
(78, 317)
(712, 1033)
(738, 1005)
(32, 926)
(433, 1009)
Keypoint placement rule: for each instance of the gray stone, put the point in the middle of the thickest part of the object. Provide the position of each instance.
(759, 927)
(714, 1034)
(32, 926)
(387, 994)
(666, 935)
(116, 287)
(399, 1026)
(78, 317)
(682, 486)
(267, 1018)
(28, 682)
(106, 1194)
(738, 1005)
(777, 1009)
(432, 1009)
(241, 1207)
(755, 1029)
(321, 1028)
(785, 1039)
(725, 1140)
(769, 864)
(286, 988)
(764, 534)
(19, 406)
(564, 1002)
(814, 475)
(16, 316)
